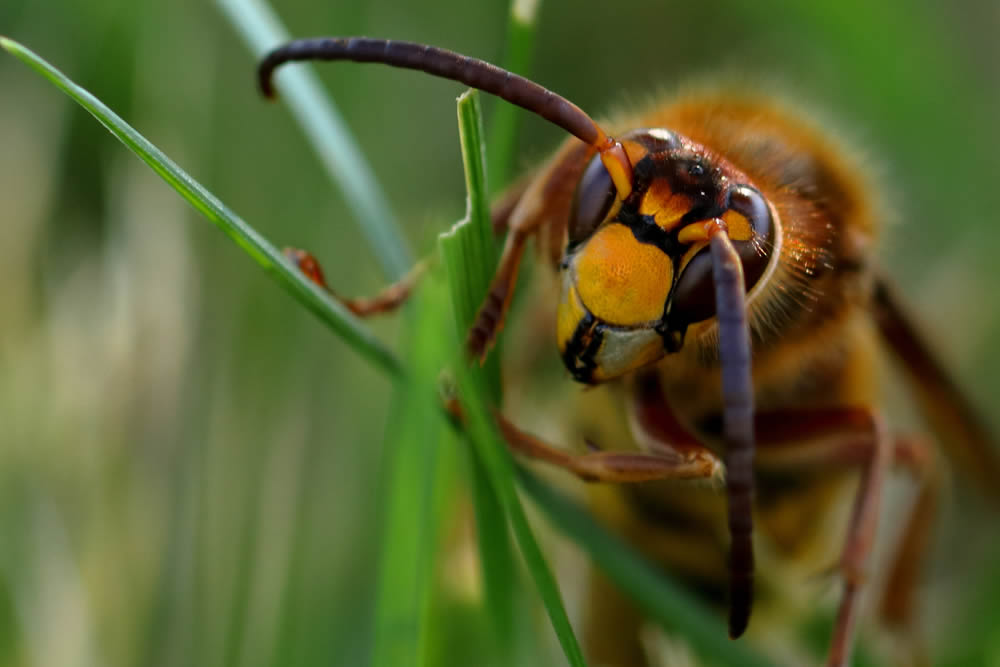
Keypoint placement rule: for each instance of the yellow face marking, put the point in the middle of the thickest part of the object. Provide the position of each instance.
(696, 232)
(739, 227)
(666, 207)
(571, 312)
(620, 172)
(621, 281)
(737, 224)
(635, 151)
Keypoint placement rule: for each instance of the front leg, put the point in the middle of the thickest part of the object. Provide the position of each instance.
(545, 203)
(391, 297)
(689, 462)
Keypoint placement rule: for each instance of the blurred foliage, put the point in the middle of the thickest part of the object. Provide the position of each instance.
(189, 462)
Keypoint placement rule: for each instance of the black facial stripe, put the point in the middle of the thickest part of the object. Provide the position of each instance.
(645, 230)
(579, 359)
(587, 358)
(672, 337)
(573, 347)
(702, 211)
(645, 169)
(688, 174)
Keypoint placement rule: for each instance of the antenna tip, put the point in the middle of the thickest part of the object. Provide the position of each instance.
(738, 625)
(265, 72)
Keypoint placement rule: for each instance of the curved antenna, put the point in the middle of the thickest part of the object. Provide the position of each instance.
(472, 72)
(737, 422)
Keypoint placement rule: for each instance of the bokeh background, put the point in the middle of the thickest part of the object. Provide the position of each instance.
(189, 461)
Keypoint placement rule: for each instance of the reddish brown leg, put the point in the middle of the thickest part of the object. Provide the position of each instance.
(602, 466)
(971, 445)
(545, 201)
(619, 467)
(898, 596)
(841, 437)
(386, 301)
(490, 318)
(860, 537)
(652, 421)
(396, 294)
(854, 436)
(505, 204)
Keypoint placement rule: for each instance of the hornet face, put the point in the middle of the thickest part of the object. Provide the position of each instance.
(637, 272)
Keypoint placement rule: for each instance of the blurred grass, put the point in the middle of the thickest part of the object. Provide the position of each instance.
(418, 488)
(174, 472)
(661, 599)
(266, 255)
(328, 136)
(518, 56)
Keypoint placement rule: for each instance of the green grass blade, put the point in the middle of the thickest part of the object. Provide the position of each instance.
(661, 599)
(497, 561)
(328, 135)
(468, 253)
(267, 256)
(518, 58)
(419, 464)
(493, 453)
(471, 243)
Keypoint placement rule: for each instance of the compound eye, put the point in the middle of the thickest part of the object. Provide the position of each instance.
(593, 199)
(694, 293)
(755, 253)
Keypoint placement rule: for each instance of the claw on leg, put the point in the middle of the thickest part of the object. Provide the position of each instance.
(388, 300)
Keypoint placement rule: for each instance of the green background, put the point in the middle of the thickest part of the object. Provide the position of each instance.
(190, 463)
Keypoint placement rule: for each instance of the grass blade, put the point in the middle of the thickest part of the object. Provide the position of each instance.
(266, 255)
(328, 135)
(518, 58)
(492, 451)
(470, 245)
(662, 600)
(416, 483)
(468, 253)
(497, 561)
